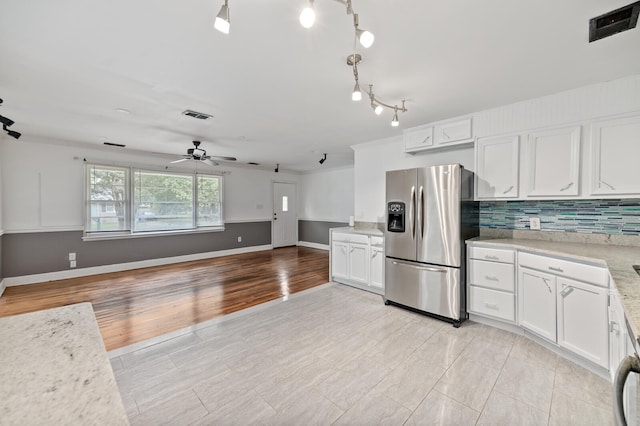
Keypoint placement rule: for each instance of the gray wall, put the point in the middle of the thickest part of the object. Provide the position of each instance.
(313, 231)
(1, 273)
(36, 253)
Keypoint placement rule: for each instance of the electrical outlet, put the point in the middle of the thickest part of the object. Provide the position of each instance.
(72, 256)
(534, 223)
(239, 239)
(72, 264)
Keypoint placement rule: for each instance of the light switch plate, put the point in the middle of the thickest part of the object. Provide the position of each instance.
(534, 223)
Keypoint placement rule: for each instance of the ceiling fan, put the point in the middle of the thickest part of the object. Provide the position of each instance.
(198, 154)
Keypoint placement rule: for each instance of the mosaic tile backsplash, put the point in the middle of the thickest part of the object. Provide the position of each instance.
(614, 217)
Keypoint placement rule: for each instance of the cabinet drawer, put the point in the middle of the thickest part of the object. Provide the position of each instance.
(495, 255)
(351, 238)
(340, 236)
(566, 268)
(377, 241)
(491, 302)
(499, 276)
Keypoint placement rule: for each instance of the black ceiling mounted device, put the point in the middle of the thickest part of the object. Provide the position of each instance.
(616, 21)
(6, 123)
(198, 154)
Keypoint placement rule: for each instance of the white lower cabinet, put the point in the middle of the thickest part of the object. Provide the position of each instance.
(582, 320)
(358, 260)
(491, 279)
(617, 333)
(537, 302)
(573, 314)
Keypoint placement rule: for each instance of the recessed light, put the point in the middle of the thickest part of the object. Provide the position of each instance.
(123, 111)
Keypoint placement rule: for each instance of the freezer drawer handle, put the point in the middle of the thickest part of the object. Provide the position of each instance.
(421, 268)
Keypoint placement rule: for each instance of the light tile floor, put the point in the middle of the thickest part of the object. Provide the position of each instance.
(338, 355)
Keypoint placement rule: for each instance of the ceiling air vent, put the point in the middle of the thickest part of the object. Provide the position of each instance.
(198, 115)
(614, 22)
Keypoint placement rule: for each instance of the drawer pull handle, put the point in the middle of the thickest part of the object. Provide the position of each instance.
(551, 268)
(569, 185)
(508, 190)
(492, 306)
(566, 291)
(488, 278)
(611, 187)
(546, 282)
(486, 256)
(375, 253)
(425, 140)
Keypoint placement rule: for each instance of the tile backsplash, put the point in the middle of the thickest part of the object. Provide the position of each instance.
(613, 217)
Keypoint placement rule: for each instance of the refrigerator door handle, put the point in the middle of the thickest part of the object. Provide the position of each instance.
(421, 212)
(421, 268)
(412, 212)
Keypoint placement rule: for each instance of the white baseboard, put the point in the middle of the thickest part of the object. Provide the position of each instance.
(2, 287)
(82, 272)
(313, 245)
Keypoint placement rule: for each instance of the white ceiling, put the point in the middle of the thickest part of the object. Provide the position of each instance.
(280, 93)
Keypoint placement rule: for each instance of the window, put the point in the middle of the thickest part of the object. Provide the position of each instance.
(159, 201)
(285, 203)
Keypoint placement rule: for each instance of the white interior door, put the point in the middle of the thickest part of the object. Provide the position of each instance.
(285, 217)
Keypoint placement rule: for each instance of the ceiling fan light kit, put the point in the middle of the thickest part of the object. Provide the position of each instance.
(199, 154)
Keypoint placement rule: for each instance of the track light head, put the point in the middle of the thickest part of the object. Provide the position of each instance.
(377, 108)
(356, 95)
(395, 122)
(222, 22)
(323, 159)
(365, 38)
(6, 121)
(277, 169)
(308, 16)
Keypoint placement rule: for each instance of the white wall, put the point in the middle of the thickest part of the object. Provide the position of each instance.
(374, 159)
(2, 142)
(326, 195)
(43, 185)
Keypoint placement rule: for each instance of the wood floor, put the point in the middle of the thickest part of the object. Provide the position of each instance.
(135, 305)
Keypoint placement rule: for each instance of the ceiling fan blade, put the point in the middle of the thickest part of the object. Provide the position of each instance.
(209, 162)
(178, 161)
(217, 157)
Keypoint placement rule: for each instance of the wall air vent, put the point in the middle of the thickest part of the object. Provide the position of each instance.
(614, 22)
(119, 145)
(198, 115)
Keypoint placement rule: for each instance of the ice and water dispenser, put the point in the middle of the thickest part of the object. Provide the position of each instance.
(395, 219)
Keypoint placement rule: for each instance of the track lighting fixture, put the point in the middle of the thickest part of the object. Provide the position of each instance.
(364, 37)
(277, 169)
(378, 106)
(308, 16)
(222, 22)
(323, 159)
(6, 123)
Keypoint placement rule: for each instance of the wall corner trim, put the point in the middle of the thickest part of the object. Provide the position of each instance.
(82, 272)
(313, 245)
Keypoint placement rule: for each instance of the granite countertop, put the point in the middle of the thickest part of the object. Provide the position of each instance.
(618, 259)
(375, 232)
(54, 369)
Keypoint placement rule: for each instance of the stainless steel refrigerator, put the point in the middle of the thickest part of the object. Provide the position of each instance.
(430, 212)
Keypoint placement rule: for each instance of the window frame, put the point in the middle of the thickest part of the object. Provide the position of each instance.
(130, 232)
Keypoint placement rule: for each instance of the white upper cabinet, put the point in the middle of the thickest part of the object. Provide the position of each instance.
(552, 165)
(453, 131)
(615, 150)
(438, 135)
(497, 167)
(418, 138)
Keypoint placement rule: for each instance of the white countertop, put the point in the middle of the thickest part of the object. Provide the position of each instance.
(618, 259)
(364, 231)
(54, 370)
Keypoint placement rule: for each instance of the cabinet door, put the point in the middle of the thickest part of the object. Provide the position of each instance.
(418, 138)
(617, 333)
(339, 260)
(377, 268)
(615, 149)
(497, 167)
(582, 320)
(537, 302)
(359, 263)
(453, 131)
(553, 162)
